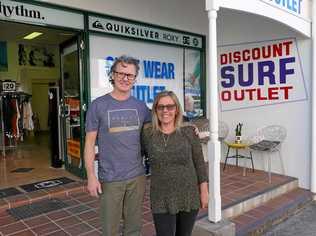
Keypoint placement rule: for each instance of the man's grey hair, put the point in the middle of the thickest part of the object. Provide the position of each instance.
(123, 60)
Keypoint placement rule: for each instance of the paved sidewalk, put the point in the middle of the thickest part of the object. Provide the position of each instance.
(302, 224)
(81, 217)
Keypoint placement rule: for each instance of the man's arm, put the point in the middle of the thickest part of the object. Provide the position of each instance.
(94, 186)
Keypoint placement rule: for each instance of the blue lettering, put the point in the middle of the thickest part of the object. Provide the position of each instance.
(269, 73)
(164, 71)
(266, 73)
(141, 92)
(241, 80)
(146, 93)
(229, 76)
(171, 70)
(148, 69)
(108, 63)
(158, 89)
(150, 96)
(299, 6)
(283, 70)
(157, 69)
(291, 5)
(294, 6)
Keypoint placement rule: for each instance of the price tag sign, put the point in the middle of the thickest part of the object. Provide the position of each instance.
(8, 86)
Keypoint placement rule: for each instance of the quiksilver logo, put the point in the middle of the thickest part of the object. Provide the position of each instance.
(19, 10)
(97, 25)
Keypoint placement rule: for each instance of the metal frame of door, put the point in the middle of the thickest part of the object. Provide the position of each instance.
(77, 43)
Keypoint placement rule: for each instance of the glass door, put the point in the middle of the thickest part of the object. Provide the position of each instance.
(71, 103)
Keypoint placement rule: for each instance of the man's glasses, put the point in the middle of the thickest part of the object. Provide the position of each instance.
(122, 75)
(169, 107)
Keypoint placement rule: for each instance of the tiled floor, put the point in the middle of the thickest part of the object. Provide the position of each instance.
(236, 188)
(34, 153)
(81, 217)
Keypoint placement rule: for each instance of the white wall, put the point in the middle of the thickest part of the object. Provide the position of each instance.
(176, 14)
(236, 27)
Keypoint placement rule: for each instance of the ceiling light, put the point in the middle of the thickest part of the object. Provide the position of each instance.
(32, 35)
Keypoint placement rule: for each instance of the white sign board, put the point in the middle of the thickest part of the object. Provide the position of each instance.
(259, 74)
(161, 67)
(143, 32)
(33, 14)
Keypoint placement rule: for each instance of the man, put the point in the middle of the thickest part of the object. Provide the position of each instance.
(115, 120)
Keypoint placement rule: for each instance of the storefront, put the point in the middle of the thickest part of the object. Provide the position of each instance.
(42, 90)
(262, 75)
(169, 59)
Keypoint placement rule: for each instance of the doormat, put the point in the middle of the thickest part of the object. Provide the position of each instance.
(8, 192)
(46, 184)
(21, 170)
(36, 208)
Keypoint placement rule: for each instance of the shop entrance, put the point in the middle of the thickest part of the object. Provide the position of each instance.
(41, 117)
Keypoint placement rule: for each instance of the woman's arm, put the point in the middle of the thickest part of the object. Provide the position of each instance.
(144, 139)
(197, 155)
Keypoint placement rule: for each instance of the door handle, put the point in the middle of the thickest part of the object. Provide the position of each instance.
(84, 107)
(67, 110)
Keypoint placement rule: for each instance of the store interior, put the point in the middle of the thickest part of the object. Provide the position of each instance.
(30, 121)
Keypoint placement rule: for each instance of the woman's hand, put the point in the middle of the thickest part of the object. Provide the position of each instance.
(204, 194)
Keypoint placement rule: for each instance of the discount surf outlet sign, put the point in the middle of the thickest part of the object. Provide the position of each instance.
(256, 74)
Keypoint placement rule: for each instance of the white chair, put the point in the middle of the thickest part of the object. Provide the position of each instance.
(269, 139)
(204, 133)
(223, 130)
(204, 130)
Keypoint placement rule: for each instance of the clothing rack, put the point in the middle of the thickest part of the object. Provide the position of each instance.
(22, 96)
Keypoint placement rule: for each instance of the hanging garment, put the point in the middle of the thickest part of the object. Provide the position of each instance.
(20, 122)
(8, 113)
(13, 118)
(18, 117)
(27, 116)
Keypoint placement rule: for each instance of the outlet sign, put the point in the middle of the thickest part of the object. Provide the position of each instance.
(260, 73)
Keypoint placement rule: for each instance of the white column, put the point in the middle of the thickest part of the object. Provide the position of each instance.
(313, 154)
(213, 148)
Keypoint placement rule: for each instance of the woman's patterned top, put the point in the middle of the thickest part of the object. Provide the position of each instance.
(177, 168)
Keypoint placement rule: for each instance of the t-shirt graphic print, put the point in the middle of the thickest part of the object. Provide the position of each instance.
(122, 120)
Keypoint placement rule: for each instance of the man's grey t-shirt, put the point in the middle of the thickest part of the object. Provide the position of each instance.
(118, 124)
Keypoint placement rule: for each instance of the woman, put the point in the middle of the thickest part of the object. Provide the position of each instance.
(178, 173)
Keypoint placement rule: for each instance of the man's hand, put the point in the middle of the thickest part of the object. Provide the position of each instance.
(94, 187)
(196, 129)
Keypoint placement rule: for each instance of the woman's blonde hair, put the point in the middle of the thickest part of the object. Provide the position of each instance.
(178, 119)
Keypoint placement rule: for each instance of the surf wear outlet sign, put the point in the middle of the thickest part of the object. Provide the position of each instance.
(33, 14)
(160, 67)
(258, 74)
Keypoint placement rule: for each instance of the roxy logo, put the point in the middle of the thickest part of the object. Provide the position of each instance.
(19, 10)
